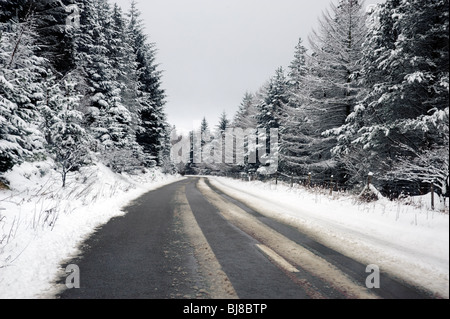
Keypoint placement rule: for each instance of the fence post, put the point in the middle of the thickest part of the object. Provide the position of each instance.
(432, 195)
(276, 178)
(331, 185)
(309, 180)
(292, 181)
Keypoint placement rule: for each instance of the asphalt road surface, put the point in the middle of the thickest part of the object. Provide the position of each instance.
(189, 240)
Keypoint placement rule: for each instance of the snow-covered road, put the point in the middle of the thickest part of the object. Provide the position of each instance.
(410, 243)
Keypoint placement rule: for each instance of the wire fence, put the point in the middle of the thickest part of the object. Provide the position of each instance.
(307, 181)
(330, 185)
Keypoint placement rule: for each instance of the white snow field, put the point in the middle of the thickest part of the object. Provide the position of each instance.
(405, 237)
(42, 223)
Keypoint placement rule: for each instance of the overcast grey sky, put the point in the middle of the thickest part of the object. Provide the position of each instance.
(212, 51)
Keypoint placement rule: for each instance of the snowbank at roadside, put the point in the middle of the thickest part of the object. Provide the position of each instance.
(404, 237)
(42, 223)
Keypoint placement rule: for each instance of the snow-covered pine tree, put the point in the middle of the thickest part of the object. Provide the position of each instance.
(271, 113)
(224, 122)
(123, 111)
(245, 116)
(21, 77)
(205, 132)
(123, 59)
(337, 49)
(200, 148)
(90, 55)
(271, 110)
(245, 120)
(101, 62)
(298, 70)
(219, 143)
(403, 117)
(297, 133)
(152, 97)
(166, 162)
(66, 139)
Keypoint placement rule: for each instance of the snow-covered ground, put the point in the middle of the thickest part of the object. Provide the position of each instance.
(405, 237)
(42, 223)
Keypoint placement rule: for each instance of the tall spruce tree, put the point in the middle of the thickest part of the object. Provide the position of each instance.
(152, 96)
(244, 120)
(271, 113)
(337, 49)
(297, 138)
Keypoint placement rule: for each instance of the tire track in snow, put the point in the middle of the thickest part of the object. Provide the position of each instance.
(286, 248)
(220, 286)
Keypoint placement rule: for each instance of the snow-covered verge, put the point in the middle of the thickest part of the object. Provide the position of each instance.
(405, 238)
(42, 223)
